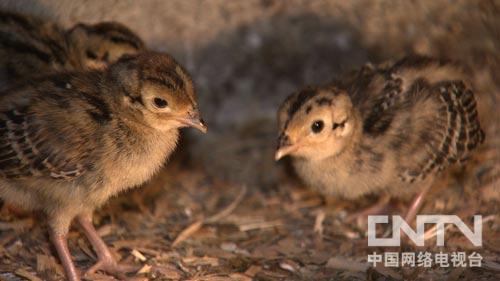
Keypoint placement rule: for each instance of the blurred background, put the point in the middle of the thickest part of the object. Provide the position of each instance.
(246, 57)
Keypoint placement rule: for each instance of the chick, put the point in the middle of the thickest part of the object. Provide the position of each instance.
(383, 130)
(96, 46)
(70, 141)
(30, 46)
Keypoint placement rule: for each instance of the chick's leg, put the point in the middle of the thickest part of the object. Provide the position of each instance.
(374, 209)
(105, 262)
(61, 245)
(58, 230)
(416, 204)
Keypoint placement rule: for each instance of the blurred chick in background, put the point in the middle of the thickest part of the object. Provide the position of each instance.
(30, 46)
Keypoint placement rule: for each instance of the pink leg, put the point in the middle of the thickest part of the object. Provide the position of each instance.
(416, 204)
(61, 245)
(105, 262)
(372, 210)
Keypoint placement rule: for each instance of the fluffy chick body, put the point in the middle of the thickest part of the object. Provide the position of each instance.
(388, 129)
(30, 46)
(74, 163)
(70, 141)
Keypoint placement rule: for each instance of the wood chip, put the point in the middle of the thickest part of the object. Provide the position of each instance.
(230, 208)
(26, 274)
(388, 272)
(455, 274)
(194, 227)
(260, 225)
(18, 225)
(186, 233)
(86, 249)
(145, 269)
(166, 271)
(105, 230)
(48, 263)
(491, 265)
(194, 261)
(252, 270)
(239, 277)
(138, 255)
(289, 265)
(341, 263)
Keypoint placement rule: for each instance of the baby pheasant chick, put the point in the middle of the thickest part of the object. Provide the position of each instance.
(30, 46)
(70, 141)
(96, 46)
(386, 130)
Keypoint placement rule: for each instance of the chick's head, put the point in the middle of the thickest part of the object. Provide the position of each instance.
(157, 91)
(96, 46)
(315, 123)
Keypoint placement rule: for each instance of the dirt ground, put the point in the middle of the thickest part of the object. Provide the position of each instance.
(187, 226)
(221, 209)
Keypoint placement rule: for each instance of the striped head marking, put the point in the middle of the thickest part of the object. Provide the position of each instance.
(158, 90)
(96, 46)
(315, 122)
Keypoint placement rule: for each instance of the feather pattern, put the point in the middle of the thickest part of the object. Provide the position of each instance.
(27, 149)
(71, 140)
(409, 120)
(31, 46)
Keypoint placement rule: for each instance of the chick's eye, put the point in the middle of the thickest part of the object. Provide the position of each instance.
(317, 126)
(160, 103)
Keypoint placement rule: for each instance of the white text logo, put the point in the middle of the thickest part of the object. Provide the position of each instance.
(398, 225)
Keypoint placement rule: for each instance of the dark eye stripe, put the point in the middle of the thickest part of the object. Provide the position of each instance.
(160, 82)
(337, 125)
(172, 75)
(120, 40)
(172, 82)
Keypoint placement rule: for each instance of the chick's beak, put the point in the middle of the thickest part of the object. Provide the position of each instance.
(285, 147)
(196, 123)
(193, 119)
(284, 151)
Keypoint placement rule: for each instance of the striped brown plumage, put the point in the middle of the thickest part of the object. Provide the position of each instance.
(406, 122)
(71, 140)
(30, 46)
